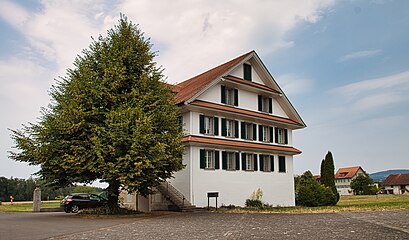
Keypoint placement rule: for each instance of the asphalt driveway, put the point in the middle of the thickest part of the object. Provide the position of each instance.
(367, 225)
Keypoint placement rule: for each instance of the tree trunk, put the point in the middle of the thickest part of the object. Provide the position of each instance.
(113, 195)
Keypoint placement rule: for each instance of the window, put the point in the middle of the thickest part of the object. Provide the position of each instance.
(281, 135)
(209, 125)
(265, 104)
(209, 159)
(248, 131)
(249, 162)
(266, 163)
(230, 161)
(265, 133)
(230, 128)
(247, 72)
(281, 164)
(230, 96)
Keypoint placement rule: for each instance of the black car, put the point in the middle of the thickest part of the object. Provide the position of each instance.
(77, 201)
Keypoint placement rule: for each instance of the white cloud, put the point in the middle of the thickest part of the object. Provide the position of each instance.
(360, 54)
(293, 84)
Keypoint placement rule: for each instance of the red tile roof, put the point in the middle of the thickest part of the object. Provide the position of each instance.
(235, 143)
(349, 172)
(192, 86)
(243, 111)
(397, 179)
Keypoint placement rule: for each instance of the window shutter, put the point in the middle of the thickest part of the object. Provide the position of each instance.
(216, 126)
(247, 72)
(272, 163)
(224, 130)
(260, 133)
(243, 130)
(202, 159)
(281, 164)
(201, 124)
(286, 135)
(270, 105)
(254, 131)
(243, 162)
(276, 135)
(237, 161)
(224, 160)
(260, 103)
(216, 160)
(271, 134)
(223, 92)
(255, 162)
(236, 129)
(236, 97)
(262, 163)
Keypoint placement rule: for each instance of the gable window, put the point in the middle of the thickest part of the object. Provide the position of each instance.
(230, 128)
(248, 131)
(229, 96)
(265, 104)
(281, 164)
(266, 163)
(209, 159)
(281, 135)
(265, 133)
(247, 72)
(249, 162)
(230, 160)
(209, 125)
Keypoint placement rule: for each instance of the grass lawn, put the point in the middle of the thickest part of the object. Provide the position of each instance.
(26, 207)
(346, 204)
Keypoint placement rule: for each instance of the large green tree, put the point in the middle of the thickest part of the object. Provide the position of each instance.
(110, 118)
(363, 185)
(327, 175)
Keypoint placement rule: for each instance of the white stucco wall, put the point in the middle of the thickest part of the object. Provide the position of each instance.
(235, 187)
(182, 179)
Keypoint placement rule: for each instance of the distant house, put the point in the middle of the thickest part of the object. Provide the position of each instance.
(343, 179)
(397, 184)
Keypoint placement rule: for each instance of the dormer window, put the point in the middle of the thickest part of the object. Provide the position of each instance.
(265, 104)
(247, 72)
(230, 96)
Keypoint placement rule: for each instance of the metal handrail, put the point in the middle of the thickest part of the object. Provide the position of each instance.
(175, 193)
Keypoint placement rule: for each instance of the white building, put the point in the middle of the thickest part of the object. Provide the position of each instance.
(238, 127)
(344, 177)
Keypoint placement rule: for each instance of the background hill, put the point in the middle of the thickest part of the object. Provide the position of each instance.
(380, 176)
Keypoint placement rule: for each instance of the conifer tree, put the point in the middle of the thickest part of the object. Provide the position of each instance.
(110, 118)
(327, 175)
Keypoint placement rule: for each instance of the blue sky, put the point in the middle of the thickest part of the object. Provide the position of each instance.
(343, 64)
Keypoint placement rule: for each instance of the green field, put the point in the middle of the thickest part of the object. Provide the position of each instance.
(26, 207)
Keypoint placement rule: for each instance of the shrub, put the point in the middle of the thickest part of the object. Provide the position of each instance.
(255, 199)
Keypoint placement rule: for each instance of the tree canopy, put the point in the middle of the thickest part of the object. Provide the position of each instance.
(327, 175)
(110, 118)
(362, 185)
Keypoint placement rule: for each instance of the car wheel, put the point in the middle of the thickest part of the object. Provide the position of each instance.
(75, 208)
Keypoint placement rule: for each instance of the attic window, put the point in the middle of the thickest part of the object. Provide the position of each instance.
(343, 174)
(247, 72)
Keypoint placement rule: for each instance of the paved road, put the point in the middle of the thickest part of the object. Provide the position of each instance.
(368, 225)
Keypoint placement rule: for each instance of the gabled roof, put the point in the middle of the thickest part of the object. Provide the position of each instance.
(397, 179)
(348, 172)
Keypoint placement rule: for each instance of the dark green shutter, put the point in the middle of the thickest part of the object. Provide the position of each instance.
(201, 124)
(281, 164)
(262, 163)
(236, 97)
(255, 162)
(243, 161)
(260, 103)
(247, 72)
(236, 129)
(216, 126)
(216, 160)
(260, 133)
(202, 159)
(243, 130)
(237, 161)
(271, 134)
(270, 105)
(254, 131)
(223, 92)
(286, 135)
(276, 134)
(224, 160)
(224, 130)
(272, 163)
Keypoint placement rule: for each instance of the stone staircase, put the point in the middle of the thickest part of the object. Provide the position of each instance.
(179, 202)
